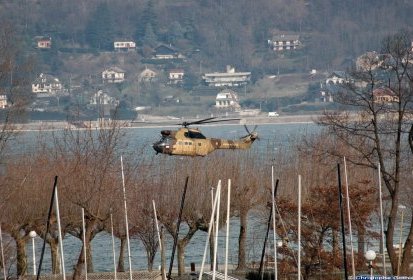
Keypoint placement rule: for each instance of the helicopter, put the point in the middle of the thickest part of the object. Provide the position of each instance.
(191, 142)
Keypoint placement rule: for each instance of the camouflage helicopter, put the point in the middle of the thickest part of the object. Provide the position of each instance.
(191, 142)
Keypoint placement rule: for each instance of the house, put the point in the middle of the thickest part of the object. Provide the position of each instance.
(338, 77)
(284, 42)
(3, 101)
(326, 96)
(166, 52)
(46, 85)
(176, 76)
(372, 60)
(227, 99)
(124, 46)
(229, 78)
(43, 42)
(384, 95)
(102, 98)
(147, 75)
(113, 75)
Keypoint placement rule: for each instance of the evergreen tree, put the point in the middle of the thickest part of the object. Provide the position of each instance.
(175, 32)
(148, 17)
(99, 30)
(150, 37)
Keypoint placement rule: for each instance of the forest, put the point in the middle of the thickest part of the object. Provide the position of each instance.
(227, 32)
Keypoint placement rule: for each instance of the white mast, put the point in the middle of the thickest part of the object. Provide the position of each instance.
(2, 254)
(84, 240)
(126, 219)
(113, 245)
(299, 229)
(216, 234)
(60, 236)
(210, 229)
(381, 222)
(227, 237)
(273, 222)
(349, 220)
(157, 231)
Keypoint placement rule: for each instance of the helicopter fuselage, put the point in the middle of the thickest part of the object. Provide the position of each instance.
(191, 142)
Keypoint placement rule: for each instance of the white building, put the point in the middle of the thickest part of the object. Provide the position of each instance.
(101, 98)
(227, 99)
(124, 46)
(3, 101)
(46, 84)
(176, 76)
(229, 78)
(284, 42)
(147, 75)
(113, 75)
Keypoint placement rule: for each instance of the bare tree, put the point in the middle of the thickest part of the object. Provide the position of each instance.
(89, 164)
(373, 128)
(15, 70)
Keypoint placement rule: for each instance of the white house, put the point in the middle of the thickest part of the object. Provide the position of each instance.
(101, 98)
(3, 101)
(46, 84)
(385, 95)
(227, 99)
(176, 76)
(147, 75)
(124, 46)
(43, 42)
(113, 75)
(338, 77)
(284, 42)
(229, 78)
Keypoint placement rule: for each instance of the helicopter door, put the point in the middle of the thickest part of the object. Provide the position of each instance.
(201, 148)
(187, 147)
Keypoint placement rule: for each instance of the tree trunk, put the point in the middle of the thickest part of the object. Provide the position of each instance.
(360, 247)
(390, 236)
(211, 248)
(80, 266)
(150, 256)
(21, 256)
(242, 238)
(411, 139)
(121, 259)
(163, 258)
(336, 250)
(55, 257)
(89, 259)
(405, 265)
(181, 255)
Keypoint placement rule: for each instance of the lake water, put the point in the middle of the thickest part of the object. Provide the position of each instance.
(271, 135)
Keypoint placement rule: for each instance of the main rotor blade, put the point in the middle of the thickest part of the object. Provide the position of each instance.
(185, 124)
(201, 121)
(226, 120)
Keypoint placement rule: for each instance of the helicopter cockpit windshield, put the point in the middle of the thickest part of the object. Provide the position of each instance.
(164, 142)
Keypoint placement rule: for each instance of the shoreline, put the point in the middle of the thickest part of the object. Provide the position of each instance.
(162, 122)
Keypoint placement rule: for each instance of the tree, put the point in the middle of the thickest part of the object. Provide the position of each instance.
(374, 130)
(150, 37)
(99, 30)
(148, 18)
(15, 72)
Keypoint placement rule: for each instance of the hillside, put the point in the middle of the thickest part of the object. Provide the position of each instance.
(209, 35)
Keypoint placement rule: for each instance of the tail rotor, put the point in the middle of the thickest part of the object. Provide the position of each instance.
(253, 135)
